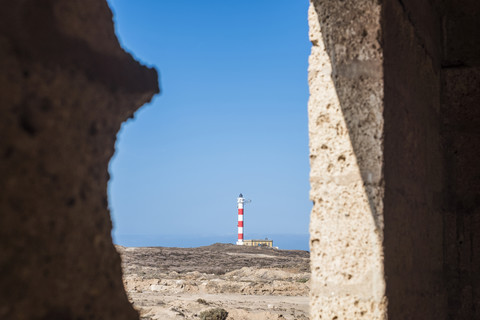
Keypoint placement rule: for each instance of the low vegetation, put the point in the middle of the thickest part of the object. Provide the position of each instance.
(303, 280)
(202, 301)
(214, 314)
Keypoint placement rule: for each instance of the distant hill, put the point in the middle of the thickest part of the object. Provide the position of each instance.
(217, 258)
(283, 241)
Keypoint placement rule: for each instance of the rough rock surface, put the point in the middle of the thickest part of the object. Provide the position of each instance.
(65, 88)
(431, 67)
(249, 282)
(413, 162)
(393, 122)
(346, 142)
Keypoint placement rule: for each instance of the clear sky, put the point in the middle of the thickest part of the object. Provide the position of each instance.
(231, 118)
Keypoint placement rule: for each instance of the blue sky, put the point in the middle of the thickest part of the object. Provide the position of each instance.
(231, 118)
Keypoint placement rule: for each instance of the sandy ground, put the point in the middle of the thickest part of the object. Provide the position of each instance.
(250, 283)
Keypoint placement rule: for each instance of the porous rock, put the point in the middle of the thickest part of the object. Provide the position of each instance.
(393, 124)
(346, 138)
(66, 86)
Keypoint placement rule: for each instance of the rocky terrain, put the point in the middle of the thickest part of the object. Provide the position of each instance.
(248, 282)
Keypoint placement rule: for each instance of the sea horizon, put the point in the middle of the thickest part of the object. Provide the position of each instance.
(282, 241)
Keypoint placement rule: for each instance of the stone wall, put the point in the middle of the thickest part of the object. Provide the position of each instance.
(346, 142)
(461, 139)
(461, 136)
(393, 121)
(413, 161)
(65, 88)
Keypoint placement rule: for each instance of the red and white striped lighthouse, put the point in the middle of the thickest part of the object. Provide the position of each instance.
(240, 201)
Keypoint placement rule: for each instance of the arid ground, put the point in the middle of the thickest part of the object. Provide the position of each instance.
(249, 282)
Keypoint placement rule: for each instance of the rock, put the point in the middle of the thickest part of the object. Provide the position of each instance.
(66, 86)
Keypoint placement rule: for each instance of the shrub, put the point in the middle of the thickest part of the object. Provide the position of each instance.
(214, 314)
(202, 301)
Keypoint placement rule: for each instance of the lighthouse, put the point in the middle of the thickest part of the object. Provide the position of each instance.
(241, 241)
(240, 201)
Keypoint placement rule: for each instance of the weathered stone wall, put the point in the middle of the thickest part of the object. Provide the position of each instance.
(65, 88)
(461, 139)
(461, 134)
(346, 142)
(413, 161)
(431, 71)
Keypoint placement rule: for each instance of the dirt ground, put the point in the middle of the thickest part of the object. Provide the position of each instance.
(249, 282)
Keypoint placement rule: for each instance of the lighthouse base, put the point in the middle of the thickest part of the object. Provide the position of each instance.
(240, 243)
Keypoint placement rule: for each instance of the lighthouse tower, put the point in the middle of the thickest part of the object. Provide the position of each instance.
(240, 201)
